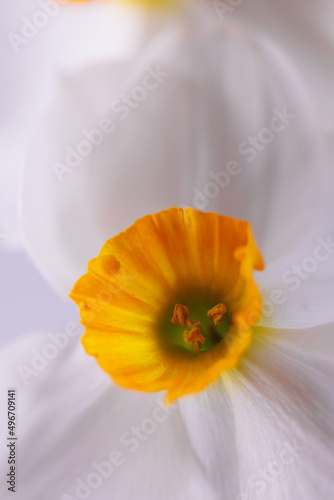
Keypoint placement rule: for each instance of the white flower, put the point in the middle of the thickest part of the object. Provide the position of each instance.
(303, 29)
(42, 38)
(262, 431)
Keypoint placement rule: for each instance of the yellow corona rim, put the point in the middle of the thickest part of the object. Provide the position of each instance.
(170, 303)
(151, 4)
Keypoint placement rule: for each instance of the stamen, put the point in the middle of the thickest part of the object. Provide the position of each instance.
(216, 314)
(181, 316)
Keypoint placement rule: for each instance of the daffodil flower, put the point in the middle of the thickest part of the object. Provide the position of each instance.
(253, 402)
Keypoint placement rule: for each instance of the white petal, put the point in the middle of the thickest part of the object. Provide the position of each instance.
(209, 420)
(40, 38)
(70, 418)
(297, 290)
(222, 87)
(304, 29)
(281, 403)
(199, 485)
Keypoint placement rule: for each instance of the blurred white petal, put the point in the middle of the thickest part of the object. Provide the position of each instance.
(73, 35)
(70, 418)
(304, 28)
(223, 85)
(298, 289)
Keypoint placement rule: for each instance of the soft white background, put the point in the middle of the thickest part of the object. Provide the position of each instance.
(27, 302)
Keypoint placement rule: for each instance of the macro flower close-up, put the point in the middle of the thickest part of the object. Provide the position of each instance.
(132, 301)
(167, 250)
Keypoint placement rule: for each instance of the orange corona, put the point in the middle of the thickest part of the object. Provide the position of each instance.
(170, 303)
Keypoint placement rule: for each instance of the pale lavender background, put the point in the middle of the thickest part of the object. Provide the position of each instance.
(27, 302)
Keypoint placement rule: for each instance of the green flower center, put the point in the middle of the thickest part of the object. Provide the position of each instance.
(193, 325)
